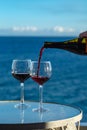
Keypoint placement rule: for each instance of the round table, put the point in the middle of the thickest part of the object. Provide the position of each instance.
(58, 116)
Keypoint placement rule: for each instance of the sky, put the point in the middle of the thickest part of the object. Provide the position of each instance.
(43, 17)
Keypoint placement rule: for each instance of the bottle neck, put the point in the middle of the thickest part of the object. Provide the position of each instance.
(77, 45)
(52, 44)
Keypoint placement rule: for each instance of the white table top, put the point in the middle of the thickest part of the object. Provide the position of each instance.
(57, 114)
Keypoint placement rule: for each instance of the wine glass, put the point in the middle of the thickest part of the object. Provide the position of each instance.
(40, 73)
(21, 71)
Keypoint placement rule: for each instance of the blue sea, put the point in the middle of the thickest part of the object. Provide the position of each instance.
(68, 83)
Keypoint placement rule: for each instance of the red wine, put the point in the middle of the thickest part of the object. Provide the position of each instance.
(40, 55)
(40, 79)
(21, 76)
(77, 45)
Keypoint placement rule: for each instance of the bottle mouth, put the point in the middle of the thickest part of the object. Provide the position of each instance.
(46, 44)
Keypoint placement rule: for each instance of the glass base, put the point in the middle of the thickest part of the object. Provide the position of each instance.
(21, 106)
(40, 110)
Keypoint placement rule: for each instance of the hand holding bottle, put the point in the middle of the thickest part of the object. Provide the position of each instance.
(77, 45)
(83, 34)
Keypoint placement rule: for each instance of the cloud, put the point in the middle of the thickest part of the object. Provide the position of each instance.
(24, 28)
(70, 30)
(61, 29)
(35, 31)
(58, 29)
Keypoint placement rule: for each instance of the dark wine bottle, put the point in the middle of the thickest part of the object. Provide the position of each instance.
(77, 45)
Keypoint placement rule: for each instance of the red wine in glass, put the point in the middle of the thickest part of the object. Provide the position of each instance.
(21, 71)
(40, 79)
(41, 74)
(21, 76)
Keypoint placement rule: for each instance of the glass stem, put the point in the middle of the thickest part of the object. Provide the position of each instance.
(41, 97)
(22, 93)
